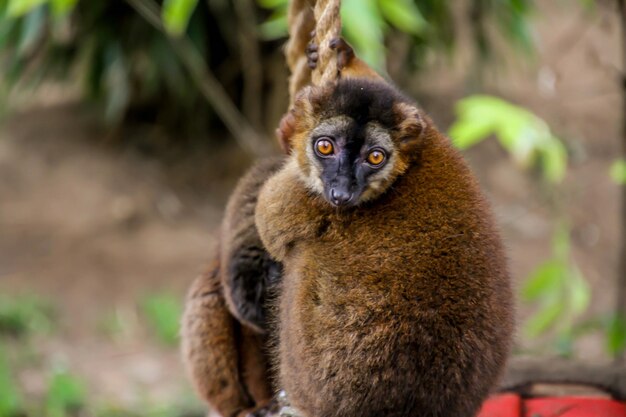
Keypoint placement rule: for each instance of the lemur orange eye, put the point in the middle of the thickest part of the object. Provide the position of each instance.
(376, 157)
(324, 147)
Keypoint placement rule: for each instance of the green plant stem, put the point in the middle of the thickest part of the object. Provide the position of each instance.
(621, 281)
(245, 135)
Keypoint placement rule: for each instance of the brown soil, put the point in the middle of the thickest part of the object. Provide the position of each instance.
(94, 229)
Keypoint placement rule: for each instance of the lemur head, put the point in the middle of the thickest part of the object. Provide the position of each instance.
(352, 139)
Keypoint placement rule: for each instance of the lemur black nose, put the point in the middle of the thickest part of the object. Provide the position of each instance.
(339, 197)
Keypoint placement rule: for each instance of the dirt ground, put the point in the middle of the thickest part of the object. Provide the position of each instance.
(94, 226)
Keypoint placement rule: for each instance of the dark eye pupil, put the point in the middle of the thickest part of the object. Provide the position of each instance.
(324, 146)
(376, 157)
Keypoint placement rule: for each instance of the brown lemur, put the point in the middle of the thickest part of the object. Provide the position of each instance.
(223, 349)
(224, 326)
(395, 298)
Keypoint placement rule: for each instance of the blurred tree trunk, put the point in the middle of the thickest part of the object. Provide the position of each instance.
(621, 282)
(251, 63)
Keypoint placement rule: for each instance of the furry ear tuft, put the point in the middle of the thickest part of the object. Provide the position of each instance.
(410, 124)
(285, 131)
(303, 104)
(292, 121)
(301, 117)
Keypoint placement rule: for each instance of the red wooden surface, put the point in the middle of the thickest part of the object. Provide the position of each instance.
(503, 405)
(511, 405)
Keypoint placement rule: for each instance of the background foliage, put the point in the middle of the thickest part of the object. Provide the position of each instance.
(133, 69)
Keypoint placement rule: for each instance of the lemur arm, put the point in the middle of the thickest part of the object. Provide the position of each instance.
(286, 212)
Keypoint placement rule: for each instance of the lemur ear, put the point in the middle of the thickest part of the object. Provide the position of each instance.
(410, 124)
(303, 104)
(292, 121)
(285, 131)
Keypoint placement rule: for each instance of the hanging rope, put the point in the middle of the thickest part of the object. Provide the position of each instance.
(304, 17)
(327, 28)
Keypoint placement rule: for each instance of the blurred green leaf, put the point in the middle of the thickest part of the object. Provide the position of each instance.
(485, 115)
(616, 336)
(16, 8)
(553, 159)
(580, 292)
(22, 315)
(66, 394)
(467, 132)
(274, 28)
(32, 31)
(62, 7)
(363, 27)
(543, 319)
(561, 294)
(525, 136)
(404, 15)
(273, 4)
(514, 25)
(163, 312)
(176, 15)
(546, 281)
(10, 398)
(618, 171)
(8, 29)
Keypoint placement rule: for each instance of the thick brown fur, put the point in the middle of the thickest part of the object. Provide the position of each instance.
(223, 328)
(225, 360)
(400, 306)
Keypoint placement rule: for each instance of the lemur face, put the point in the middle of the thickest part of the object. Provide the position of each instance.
(351, 139)
(351, 160)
